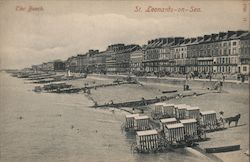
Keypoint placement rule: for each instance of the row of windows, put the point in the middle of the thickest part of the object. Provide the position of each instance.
(213, 45)
(227, 60)
(209, 52)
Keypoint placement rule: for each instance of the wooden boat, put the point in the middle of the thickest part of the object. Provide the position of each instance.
(222, 149)
(169, 91)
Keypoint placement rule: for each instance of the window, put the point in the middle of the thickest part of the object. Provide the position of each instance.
(208, 52)
(234, 51)
(229, 51)
(234, 43)
(244, 68)
(224, 52)
(224, 44)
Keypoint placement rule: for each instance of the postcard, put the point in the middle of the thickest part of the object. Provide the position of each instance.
(126, 80)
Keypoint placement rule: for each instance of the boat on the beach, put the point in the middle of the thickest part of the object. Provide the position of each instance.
(222, 149)
(56, 86)
(169, 91)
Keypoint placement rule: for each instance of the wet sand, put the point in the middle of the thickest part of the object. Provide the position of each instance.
(63, 127)
(232, 101)
(47, 127)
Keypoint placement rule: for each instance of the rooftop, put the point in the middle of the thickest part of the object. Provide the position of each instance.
(160, 104)
(169, 105)
(173, 126)
(188, 121)
(141, 117)
(147, 132)
(182, 106)
(193, 108)
(131, 115)
(207, 112)
(168, 120)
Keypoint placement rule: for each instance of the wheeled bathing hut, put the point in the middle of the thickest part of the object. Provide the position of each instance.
(190, 127)
(164, 122)
(168, 110)
(141, 123)
(157, 112)
(180, 111)
(174, 133)
(163, 110)
(208, 120)
(193, 112)
(147, 141)
(129, 123)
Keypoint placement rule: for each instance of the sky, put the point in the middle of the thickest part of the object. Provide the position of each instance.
(60, 29)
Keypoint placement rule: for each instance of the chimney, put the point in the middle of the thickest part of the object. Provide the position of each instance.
(149, 42)
(214, 36)
(193, 40)
(230, 33)
(222, 34)
(178, 40)
(164, 40)
(199, 38)
(187, 40)
(206, 37)
(239, 32)
(181, 41)
(169, 40)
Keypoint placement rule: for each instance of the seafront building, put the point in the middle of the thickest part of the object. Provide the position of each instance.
(56, 65)
(217, 53)
(136, 60)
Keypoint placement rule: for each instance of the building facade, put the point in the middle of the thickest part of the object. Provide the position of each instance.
(216, 53)
(136, 59)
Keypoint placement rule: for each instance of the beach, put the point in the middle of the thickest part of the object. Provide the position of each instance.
(65, 127)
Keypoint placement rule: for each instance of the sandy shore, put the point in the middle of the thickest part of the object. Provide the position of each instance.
(52, 115)
(231, 101)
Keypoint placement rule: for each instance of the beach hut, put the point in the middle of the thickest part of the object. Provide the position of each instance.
(166, 121)
(180, 111)
(193, 112)
(208, 119)
(158, 107)
(174, 133)
(190, 127)
(168, 110)
(141, 123)
(130, 120)
(147, 140)
(157, 112)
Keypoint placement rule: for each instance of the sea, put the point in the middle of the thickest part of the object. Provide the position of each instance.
(47, 127)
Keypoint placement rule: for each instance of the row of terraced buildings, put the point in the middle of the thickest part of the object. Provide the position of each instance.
(224, 52)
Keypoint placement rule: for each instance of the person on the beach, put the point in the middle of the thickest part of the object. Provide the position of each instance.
(221, 117)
